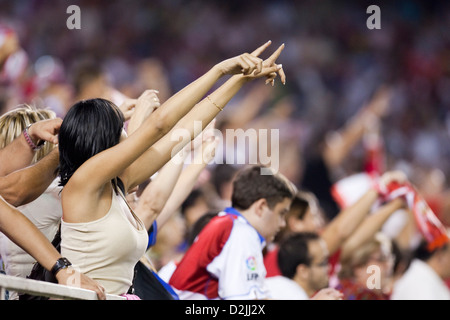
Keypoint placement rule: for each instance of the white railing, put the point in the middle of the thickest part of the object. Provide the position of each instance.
(47, 289)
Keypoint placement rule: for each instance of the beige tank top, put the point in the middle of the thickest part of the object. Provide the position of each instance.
(107, 249)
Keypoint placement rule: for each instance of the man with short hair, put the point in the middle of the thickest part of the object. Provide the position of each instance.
(303, 261)
(226, 261)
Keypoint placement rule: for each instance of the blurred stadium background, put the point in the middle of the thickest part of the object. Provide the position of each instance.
(333, 62)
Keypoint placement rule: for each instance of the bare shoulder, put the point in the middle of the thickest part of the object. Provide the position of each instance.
(81, 205)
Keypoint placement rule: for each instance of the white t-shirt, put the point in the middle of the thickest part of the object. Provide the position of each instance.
(420, 282)
(283, 288)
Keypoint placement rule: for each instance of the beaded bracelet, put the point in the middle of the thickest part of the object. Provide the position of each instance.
(30, 142)
(215, 104)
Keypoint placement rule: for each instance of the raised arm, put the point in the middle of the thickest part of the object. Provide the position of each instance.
(143, 108)
(172, 184)
(202, 113)
(369, 227)
(187, 180)
(117, 161)
(351, 218)
(344, 140)
(155, 195)
(347, 221)
(19, 153)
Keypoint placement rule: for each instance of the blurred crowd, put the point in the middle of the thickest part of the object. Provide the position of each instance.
(333, 62)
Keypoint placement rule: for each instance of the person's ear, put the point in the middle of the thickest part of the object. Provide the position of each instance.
(259, 206)
(302, 271)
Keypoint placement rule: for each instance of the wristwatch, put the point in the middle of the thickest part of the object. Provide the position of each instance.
(61, 263)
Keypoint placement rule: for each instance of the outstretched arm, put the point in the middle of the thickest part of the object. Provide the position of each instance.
(201, 114)
(187, 180)
(369, 227)
(344, 140)
(118, 160)
(172, 184)
(347, 221)
(350, 219)
(155, 195)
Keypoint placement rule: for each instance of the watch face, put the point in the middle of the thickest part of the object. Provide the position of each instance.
(61, 263)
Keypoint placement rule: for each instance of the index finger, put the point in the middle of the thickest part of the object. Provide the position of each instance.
(261, 49)
(275, 55)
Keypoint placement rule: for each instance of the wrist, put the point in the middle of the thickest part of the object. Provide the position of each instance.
(60, 264)
(34, 143)
(218, 71)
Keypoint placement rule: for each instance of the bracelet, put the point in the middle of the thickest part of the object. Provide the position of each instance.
(61, 263)
(215, 104)
(30, 142)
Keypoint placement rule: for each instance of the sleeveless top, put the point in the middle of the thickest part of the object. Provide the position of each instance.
(107, 249)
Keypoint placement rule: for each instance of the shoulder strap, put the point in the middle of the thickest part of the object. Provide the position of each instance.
(117, 183)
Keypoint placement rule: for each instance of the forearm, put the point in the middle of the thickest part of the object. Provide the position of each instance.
(202, 113)
(129, 159)
(25, 185)
(369, 227)
(16, 155)
(339, 146)
(25, 234)
(183, 101)
(156, 194)
(183, 188)
(347, 221)
(403, 238)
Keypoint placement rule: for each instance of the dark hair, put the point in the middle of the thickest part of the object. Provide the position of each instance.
(222, 174)
(250, 185)
(299, 207)
(294, 251)
(85, 72)
(191, 199)
(89, 127)
(423, 253)
(198, 226)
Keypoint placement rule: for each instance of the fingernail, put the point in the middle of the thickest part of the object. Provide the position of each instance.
(280, 66)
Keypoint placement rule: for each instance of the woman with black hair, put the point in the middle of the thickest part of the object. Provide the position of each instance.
(100, 234)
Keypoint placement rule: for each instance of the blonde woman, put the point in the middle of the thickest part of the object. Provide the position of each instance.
(44, 212)
(26, 135)
(13, 123)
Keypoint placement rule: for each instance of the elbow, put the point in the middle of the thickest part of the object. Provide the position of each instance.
(149, 210)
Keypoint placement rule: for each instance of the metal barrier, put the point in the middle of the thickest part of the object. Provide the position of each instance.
(47, 289)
